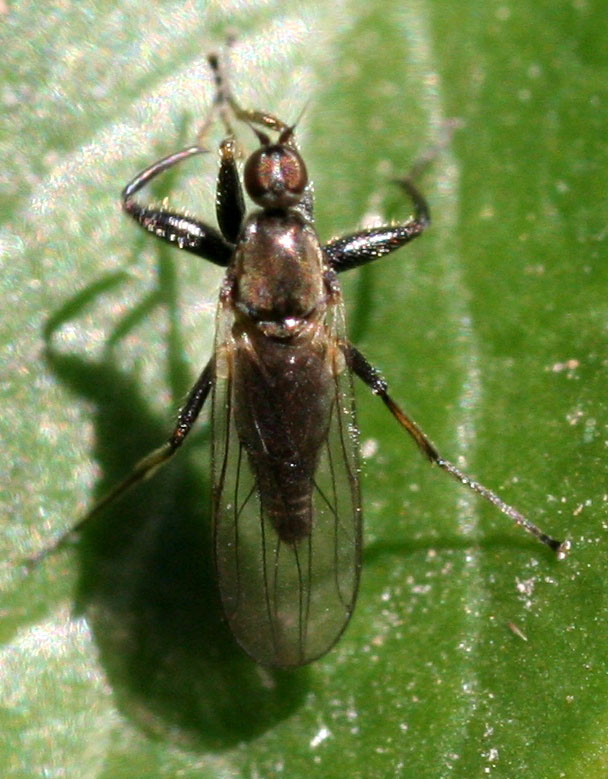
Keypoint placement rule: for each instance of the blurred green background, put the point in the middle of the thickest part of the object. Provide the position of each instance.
(491, 330)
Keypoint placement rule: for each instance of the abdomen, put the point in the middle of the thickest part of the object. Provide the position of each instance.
(283, 395)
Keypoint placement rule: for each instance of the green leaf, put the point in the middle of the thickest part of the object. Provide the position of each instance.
(472, 651)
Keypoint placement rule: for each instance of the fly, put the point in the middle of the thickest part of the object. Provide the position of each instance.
(286, 503)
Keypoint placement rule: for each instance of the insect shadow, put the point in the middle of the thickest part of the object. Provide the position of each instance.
(146, 577)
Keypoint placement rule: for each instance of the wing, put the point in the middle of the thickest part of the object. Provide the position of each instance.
(287, 599)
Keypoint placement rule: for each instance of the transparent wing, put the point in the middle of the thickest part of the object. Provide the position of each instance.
(287, 601)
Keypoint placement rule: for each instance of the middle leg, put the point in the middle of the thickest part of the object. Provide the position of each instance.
(350, 251)
(176, 229)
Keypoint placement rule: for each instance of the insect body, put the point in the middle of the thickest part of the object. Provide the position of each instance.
(286, 501)
(286, 507)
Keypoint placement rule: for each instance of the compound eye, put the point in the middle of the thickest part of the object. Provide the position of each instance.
(275, 176)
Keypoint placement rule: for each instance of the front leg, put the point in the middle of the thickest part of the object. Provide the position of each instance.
(368, 245)
(229, 202)
(177, 229)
